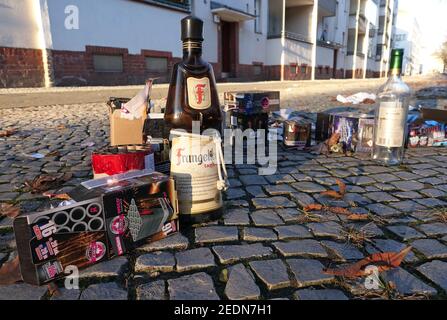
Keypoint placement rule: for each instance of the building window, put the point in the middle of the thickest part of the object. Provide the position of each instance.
(327, 70)
(400, 37)
(303, 69)
(293, 69)
(257, 69)
(108, 63)
(175, 4)
(157, 64)
(258, 26)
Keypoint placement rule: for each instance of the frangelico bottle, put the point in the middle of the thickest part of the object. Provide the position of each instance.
(192, 92)
(390, 128)
(192, 97)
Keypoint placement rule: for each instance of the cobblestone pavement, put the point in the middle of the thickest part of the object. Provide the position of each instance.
(264, 247)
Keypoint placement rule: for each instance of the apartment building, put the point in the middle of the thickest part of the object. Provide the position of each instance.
(118, 42)
(407, 36)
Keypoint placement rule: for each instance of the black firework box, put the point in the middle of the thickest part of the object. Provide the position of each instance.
(101, 222)
(252, 102)
(297, 133)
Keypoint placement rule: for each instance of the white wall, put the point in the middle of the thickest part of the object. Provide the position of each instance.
(298, 52)
(325, 56)
(116, 23)
(18, 25)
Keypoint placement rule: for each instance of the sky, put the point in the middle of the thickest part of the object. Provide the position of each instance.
(431, 16)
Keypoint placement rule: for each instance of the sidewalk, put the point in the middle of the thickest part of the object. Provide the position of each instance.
(293, 93)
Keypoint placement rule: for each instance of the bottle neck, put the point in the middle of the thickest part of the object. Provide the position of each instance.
(396, 73)
(192, 50)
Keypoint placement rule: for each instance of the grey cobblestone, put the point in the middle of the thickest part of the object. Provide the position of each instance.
(232, 253)
(256, 191)
(436, 271)
(266, 218)
(236, 217)
(304, 248)
(155, 290)
(22, 291)
(194, 259)
(433, 229)
(306, 186)
(308, 272)
(216, 234)
(430, 248)
(326, 229)
(406, 283)
(241, 284)
(273, 273)
(259, 234)
(198, 286)
(104, 291)
(272, 202)
(156, 262)
(405, 232)
(292, 232)
(324, 294)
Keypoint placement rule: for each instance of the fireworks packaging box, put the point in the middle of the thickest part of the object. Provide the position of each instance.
(427, 134)
(297, 133)
(356, 129)
(252, 102)
(107, 218)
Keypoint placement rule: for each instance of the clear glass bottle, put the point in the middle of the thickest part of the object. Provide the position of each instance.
(390, 127)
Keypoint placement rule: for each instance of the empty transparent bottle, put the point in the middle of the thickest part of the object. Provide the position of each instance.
(390, 128)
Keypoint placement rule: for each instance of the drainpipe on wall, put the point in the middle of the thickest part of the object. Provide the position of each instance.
(283, 38)
(366, 45)
(354, 57)
(314, 38)
(40, 9)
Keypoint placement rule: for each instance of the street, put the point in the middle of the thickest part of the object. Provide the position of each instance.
(266, 246)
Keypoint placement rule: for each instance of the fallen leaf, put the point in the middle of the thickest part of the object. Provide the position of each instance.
(341, 186)
(61, 127)
(9, 210)
(61, 196)
(333, 194)
(10, 272)
(7, 132)
(358, 217)
(313, 207)
(54, 153)
(46, 182)
(333, 139)
(383, 261)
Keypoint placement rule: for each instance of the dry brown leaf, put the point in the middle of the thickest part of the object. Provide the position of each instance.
(9, 210)
(10, 272)
(358, 217)
(368, 101)
(341, 186)
(54, 153)
(333, 139)
(313, 207)
(332, 193)
(61, 127)
(383, 261)
(61, 196)
(46, 182)
(7, 132)
(339, 210)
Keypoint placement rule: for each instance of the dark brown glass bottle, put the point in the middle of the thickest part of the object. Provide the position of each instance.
(192, 92)
(192, 97)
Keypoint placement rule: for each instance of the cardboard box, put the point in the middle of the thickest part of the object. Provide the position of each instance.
(436, 114)
(356, 129)
(251, 102)
(427, 134)
(124, 131)
(297, 134)
(105, 221)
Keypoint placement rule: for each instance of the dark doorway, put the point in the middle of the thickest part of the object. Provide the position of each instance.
(334, 64)
(228, 48)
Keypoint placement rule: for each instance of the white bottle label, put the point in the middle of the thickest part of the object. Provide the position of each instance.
(390, 125)
(194, 168)
(199, 93)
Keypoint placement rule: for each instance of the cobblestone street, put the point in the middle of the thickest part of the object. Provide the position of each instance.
(265, 246)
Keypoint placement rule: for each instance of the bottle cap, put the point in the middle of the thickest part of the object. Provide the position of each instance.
(192, 29)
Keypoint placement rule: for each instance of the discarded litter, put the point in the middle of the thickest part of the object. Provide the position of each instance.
(360, 97)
